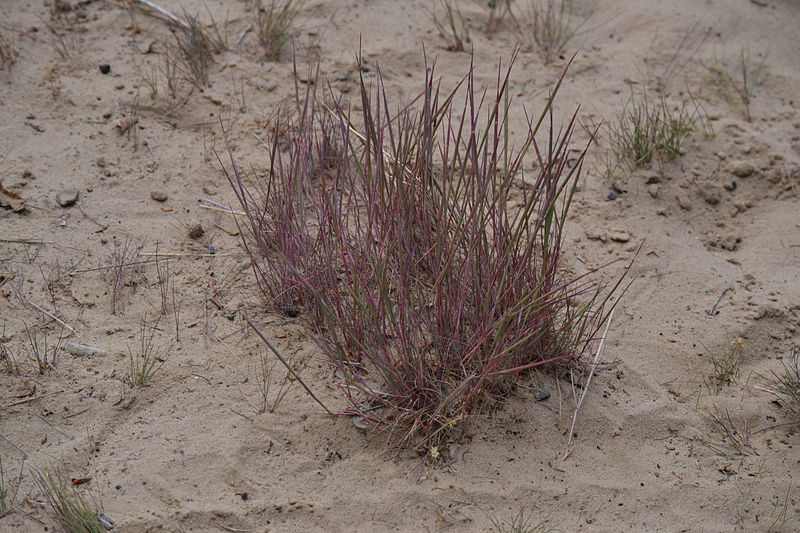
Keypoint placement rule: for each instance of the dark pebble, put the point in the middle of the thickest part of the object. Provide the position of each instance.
(541, 395)
(105, 68)
(244, 496)
(612, 196)
(118, 487)
(291, 313)
(196, 231)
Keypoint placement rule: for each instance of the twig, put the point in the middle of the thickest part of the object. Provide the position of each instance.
(48, 313)
(288, 366)
(586, 386)
(109, 267)
(20, 450)
(177, 254)
(26, 241)
(164, 12)
(713, 311)
(31, 398)
(220, 206)
(224, 210)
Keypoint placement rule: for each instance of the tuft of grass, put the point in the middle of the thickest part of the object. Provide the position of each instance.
(194, 49)
(521, 523)
(737, 83)
(7, 498)
(548, 25)
(272, 391)
(45, 353)
(786, 386)
(429, 280)
(121, 261)
(730, 441)
(8, 359)
(499, 10)
(275, 25)
(451, 25)
(148, 360)
(645, 130)
(726, 367)
(68, 508)
(8, 53)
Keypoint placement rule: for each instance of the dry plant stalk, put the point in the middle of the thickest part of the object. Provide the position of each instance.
(119, 274)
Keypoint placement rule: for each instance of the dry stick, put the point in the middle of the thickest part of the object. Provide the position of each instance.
(288, 366)
(26, 241)
(31, 398)
(20, 450)
(45, 312)
(109, 267)
(713, 311)
(586, 387)
(224, 210)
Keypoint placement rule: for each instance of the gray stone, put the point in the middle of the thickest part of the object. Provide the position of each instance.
(158, 196)
(741, 169)
(67, 197)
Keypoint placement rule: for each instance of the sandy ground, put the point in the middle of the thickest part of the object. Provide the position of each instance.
(190, 452)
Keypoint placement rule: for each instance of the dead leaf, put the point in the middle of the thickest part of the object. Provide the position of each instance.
(10, 200)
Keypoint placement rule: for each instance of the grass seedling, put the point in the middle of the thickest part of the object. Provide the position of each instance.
(738, 83)
(42, 351)
(122, 261)
(521, 523)
(195, 49)
(452, 27)
(7, 357)
(645, 130)
(271, 395)
(730, 441)
(429, 293)
(499, 10)
(786, 387)
(148, 360)
(548, 25)
(727, 366)
(68, 508)
(7, 499)
(8, 53)
(274, 25)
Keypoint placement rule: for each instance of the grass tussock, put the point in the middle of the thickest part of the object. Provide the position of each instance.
(274, 23)
(67, 507)
(8, 52)
(427, 274)
(451, 25)
(785, 386)
(646, 130)
(736, 81)
(548, 26)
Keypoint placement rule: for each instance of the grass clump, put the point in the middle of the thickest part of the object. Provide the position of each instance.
(645, 130)
(148, 360)
(451, 25)
(730, 440)
(548, 25)
(68, 508)
(727, 366)
(8, 53)
(786, 387)
(521, 523)
(275, 25)
(193, 49)
(738, 82)
(427, 275)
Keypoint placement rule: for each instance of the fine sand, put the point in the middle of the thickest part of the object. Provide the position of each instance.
(718, 273)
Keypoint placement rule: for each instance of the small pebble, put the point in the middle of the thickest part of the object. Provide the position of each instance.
(105, 68)
(540, 395)
(343, 76)
(741, 169)
(684, 201)
(619, 236)
(158, 196)
(730, 186)
(652, 190)
(196, 231)
(67, 197)
(612, 196)
(616, 188)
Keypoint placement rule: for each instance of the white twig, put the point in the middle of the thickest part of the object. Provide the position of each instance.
(164, 12)
(51, 315)
(586, 386)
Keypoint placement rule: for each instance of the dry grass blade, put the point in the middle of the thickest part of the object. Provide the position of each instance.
(786, 386)
(452, 26)
(730, 440)
(548, 25)
(7, 498)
